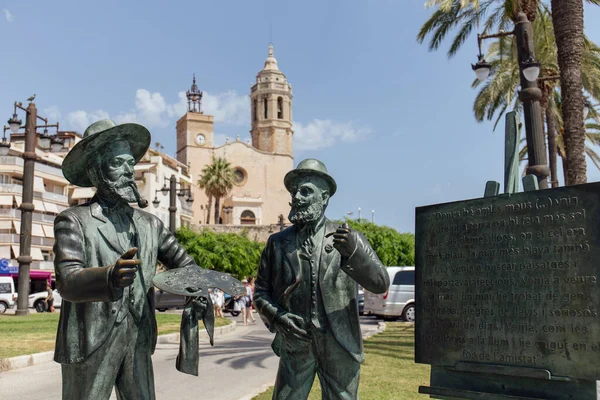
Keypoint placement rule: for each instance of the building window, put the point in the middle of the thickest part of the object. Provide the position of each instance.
(280, 107)
(254, 112)
(265, 104)
(239, 176)
(5, 179)
(247, 218)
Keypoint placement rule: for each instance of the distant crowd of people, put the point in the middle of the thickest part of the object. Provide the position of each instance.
(241, 304)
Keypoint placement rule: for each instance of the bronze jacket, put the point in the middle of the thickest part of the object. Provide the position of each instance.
(86, 248)
(280, 270)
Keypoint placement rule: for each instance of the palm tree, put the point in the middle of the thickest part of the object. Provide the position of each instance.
(217, 180)
(465, 15)
(568, 28)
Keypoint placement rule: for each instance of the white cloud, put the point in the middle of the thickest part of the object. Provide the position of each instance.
(53, 113)
(319, 134)
(79, 120)
(9, 16)
(152, 110)
(179, 108)
(229, 107)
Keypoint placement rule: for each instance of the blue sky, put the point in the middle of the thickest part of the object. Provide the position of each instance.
(396, 120)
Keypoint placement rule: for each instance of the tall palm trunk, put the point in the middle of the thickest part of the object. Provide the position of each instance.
(567, 18)
(209, 208)
(217, 208)
(552, 147)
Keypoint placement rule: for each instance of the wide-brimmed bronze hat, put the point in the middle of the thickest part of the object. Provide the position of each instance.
(309, 167)
(96, 136)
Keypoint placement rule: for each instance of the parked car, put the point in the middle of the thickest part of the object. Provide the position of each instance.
(7, 293)
(165, 300)
(398, 300)
(37, 300)
(361, 300)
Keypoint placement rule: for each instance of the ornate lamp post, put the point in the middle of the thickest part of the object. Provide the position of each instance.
(31, 142)
(530, 95)
(173, 193)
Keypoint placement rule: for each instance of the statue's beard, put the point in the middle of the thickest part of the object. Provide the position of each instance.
(117, 191)
(301, 214)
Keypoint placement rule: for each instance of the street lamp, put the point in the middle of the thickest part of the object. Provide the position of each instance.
(372, 216)
(174, 192)
(358, 214)
(27, 207)
(5, 145)
(529, 95)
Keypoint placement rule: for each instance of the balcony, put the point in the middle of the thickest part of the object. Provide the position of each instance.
(56, 171)
(11, 160)
(10, 188)
(55, 197)
(13, 238)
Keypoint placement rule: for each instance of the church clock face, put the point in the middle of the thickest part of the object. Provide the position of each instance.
(200, 139)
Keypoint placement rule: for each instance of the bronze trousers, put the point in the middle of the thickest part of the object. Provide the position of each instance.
(123, 361)
(300, 361)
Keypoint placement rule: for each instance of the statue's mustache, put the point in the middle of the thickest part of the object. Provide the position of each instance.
(299, 204)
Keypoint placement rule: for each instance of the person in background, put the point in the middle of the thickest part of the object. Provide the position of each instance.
(249, 293)
(217, 298)
(241, 303)
(50, 298)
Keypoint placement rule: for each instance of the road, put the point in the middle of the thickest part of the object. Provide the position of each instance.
(240, 363)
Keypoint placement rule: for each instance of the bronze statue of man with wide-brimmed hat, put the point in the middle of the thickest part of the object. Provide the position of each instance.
(106, 253)
(306, 291)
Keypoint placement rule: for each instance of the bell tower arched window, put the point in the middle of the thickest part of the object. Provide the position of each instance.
(254, 111)
(265, 106)
(280, 108)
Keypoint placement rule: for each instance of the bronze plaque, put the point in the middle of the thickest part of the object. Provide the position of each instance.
(511, 280)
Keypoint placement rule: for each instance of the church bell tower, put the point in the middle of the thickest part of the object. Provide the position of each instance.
(271, 108)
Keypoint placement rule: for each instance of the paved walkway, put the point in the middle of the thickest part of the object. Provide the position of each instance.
(240, 365)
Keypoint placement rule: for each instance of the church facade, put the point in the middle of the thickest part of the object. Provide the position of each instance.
(258, 196)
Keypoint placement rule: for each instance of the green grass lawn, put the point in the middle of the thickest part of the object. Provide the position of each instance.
(389, 370)
(37, 332)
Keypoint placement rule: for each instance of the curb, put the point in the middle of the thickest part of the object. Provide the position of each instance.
(380, 328)
(8, 364)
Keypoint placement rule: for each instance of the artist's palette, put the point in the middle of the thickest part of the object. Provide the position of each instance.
(194, 281)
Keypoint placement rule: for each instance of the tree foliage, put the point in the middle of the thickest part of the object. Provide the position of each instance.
(217, 180)
(226, 252)
(392, 247)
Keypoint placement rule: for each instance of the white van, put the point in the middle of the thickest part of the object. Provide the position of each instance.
(399, 300)
(7, 293)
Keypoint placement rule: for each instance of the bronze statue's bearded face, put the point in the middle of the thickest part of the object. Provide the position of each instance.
(310, 196)
(111, 172)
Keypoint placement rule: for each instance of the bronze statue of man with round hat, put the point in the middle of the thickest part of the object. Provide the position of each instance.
(106, 254)
(307, 287)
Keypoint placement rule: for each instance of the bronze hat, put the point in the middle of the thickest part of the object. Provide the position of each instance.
(96, 136)
(310, 167)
